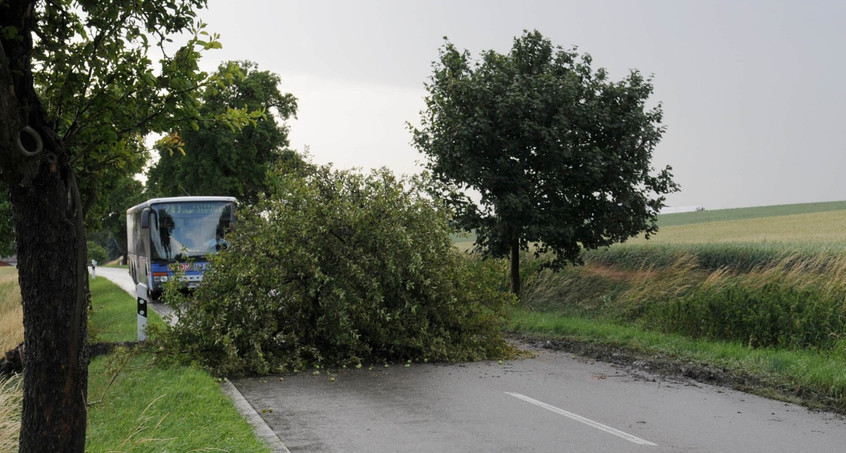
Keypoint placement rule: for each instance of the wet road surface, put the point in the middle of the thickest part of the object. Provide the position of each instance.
(552, 403)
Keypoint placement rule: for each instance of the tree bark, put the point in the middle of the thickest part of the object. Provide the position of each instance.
(515, 267)
(53, 276)
(50, 244)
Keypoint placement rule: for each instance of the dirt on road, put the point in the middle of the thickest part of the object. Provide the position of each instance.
(634, 360)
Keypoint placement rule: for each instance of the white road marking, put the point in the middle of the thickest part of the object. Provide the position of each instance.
(584, 420)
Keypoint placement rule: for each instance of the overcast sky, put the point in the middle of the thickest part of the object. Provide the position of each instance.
(753, 91)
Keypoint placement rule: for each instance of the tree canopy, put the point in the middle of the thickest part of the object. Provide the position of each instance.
(213, 159)
(558, 155)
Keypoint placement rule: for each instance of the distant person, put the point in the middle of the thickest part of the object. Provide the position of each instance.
(93, 269)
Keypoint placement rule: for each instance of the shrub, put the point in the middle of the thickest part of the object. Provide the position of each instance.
(97, 252)
(338, 268)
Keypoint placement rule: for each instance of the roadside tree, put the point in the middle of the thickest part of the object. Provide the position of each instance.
(219, 160)
(558, 155)
(78, 91)
(7, 232)
(108, 216)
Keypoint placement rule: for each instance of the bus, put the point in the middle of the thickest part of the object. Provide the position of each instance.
(175, 233)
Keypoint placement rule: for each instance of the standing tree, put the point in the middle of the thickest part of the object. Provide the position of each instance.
(109, 215)
(218, 160)
(7, 233)
(108, 190)
(73, 101)
(559, 154)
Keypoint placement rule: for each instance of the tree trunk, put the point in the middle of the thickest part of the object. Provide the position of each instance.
(53, 277)
(515, 267)
(50, 244)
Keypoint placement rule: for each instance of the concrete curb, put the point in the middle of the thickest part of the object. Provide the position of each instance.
(262, 430)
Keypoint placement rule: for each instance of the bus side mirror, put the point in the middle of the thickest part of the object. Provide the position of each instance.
(145, 218)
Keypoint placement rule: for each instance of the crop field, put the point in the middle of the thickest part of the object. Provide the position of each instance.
(720, 215)
(814, 223)
(806, 225)
(810, 228)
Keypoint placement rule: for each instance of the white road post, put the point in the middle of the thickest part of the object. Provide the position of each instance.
(142, 312)
(142, 319)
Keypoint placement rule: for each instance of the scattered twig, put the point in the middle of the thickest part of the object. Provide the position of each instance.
(103, 395)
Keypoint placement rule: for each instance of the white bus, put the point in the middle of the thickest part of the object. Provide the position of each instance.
(179, 233)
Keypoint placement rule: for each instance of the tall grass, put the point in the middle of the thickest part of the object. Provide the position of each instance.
(11, 334)
(736, 256)
(761, 296)
(11, 309)
(769, 282)
(796, 304)
(11, 397)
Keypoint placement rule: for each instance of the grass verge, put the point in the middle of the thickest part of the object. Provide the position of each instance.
(154, 408)
(136, 406)
(113, 317)
(149, 407)
(813, 379)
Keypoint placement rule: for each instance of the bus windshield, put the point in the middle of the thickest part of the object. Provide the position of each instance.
(190, 229)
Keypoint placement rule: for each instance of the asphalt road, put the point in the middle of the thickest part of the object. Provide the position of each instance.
(551, 403)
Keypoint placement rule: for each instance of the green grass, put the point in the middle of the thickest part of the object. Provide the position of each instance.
(152, 408)
(113, 318)
(149, 407)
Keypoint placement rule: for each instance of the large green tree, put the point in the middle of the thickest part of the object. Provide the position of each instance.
(78, 90)
(108, 189)
(219, 160)
(108, 216)
(558, 155)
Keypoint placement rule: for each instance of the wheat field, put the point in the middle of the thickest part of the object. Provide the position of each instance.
(819, 227)
(11, 310)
